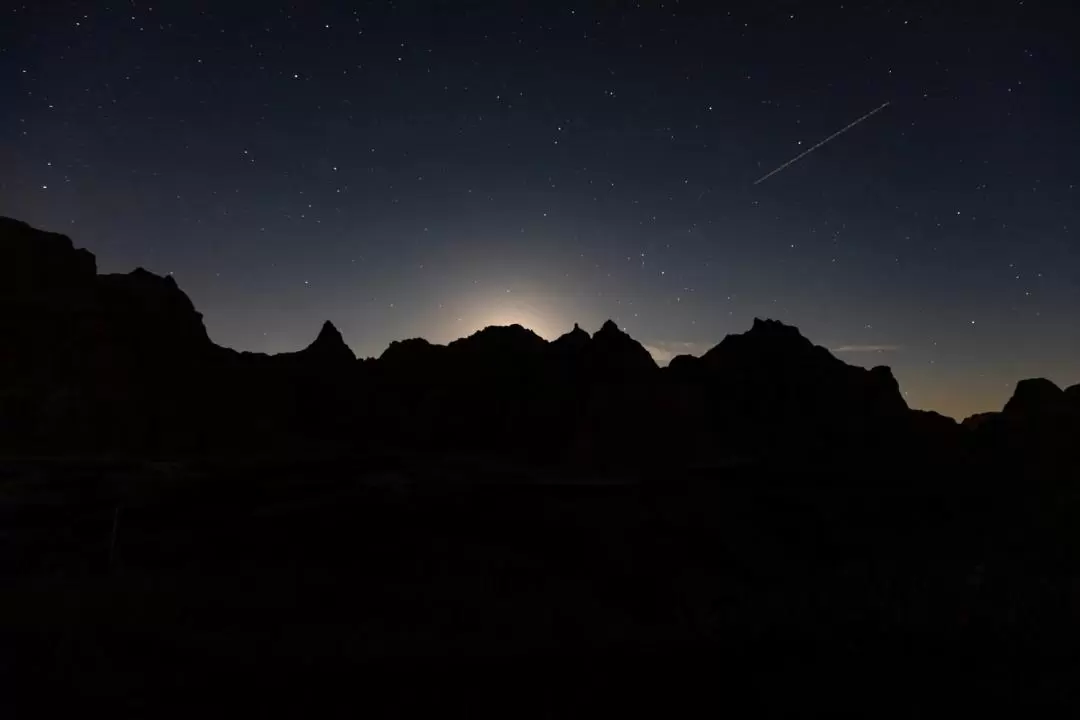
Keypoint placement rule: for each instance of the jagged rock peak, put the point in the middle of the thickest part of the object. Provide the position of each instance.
(766, 338)
(409, 350)
(608, 328)
(571, 343)
(1035, 396)
(32, 259)
(160, 288)
(616, 350)
(153, 308)
(516, 329)
(329, 343)
(329, 334)
(576, 335)
(411, 342)
(610, 334)
(774, 329)
(500, 339)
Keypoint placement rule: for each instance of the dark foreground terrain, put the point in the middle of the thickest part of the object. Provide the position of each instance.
(396, 587)
(508, 526)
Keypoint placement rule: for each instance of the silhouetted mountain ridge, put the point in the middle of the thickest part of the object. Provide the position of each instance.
(123, 361)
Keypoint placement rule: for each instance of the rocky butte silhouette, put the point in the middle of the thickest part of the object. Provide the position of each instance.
(122, 362)
(183, 521)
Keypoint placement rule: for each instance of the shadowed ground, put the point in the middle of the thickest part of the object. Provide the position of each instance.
(438, 587)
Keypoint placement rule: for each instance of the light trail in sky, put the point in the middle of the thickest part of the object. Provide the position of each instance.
(836, 134)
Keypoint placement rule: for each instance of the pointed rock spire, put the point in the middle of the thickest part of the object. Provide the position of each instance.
(615, 353)
(330, 345)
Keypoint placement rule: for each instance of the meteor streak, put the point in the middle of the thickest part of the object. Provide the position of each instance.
(836, 134)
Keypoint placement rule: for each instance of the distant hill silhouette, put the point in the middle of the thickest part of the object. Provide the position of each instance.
(122, 363)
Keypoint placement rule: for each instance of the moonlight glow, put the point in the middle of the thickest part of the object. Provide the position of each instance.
(425, 170)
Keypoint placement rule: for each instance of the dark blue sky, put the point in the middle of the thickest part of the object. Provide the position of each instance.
(428, 168)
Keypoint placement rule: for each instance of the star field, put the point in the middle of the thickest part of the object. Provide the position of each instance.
(428, 168)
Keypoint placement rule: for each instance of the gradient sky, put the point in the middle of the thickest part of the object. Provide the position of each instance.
(427, 168)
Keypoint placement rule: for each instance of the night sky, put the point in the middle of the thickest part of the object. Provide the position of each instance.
(425, 169)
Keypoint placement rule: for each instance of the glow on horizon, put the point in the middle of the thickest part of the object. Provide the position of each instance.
(534, 311)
